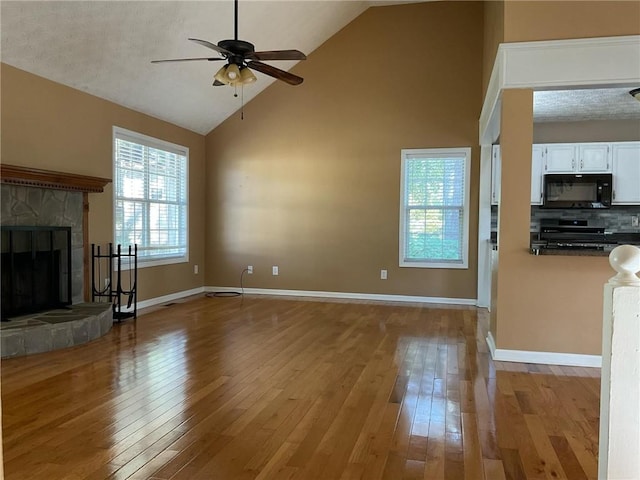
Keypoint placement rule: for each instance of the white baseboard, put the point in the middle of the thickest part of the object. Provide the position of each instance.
(166, 298)
(491, 343)
(544, 358)
(346, 295)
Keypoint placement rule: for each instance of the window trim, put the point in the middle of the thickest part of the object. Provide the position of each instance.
(435, 152)
(142, 139)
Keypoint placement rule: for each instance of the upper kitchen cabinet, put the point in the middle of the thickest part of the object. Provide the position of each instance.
(626, 173)
(594, 157)
(560, 157)
(577, 158)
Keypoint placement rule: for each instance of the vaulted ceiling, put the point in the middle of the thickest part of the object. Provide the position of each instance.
(105, 48)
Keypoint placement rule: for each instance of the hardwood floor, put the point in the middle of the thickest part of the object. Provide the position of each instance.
(262, 388)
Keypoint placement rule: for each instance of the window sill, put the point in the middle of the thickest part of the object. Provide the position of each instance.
(456, 266)
(126, 265)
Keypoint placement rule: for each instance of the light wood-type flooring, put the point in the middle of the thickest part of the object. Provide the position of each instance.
(263, 388)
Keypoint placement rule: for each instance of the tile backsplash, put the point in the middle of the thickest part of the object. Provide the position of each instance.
(616, 219)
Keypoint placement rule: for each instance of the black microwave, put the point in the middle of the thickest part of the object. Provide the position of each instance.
(568, 190)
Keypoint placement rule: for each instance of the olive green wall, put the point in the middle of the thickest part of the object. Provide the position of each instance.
(50, 126)
(309, 180)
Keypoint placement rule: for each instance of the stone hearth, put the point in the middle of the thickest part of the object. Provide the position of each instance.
(55, 329)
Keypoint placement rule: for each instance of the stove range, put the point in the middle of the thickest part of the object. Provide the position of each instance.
(572, 235)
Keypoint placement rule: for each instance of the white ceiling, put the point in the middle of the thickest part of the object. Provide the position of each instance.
(105, 48)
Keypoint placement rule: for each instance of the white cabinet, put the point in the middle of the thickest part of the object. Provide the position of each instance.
(496, 166)
(626, 173)
(622, 159)
(537, 166)
(594, 157)
(560, 157)
(577, 158)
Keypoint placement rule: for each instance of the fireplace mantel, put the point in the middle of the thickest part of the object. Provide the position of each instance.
(33, 177)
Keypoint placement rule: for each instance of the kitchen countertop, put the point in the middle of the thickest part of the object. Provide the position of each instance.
(578, 252)
(569, 252)
(622, 238)
(613, 239)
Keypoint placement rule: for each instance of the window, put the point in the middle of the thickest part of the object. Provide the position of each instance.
(151, 197)
(434, 208)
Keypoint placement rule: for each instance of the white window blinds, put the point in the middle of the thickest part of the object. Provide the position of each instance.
(151, 197)
(434, 212)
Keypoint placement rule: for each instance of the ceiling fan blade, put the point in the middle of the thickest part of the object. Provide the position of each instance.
(274, 72)
(212, 46)
(277, 55)
(218, 83)
(210, 59)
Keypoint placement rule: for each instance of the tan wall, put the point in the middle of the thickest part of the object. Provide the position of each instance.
(526, 21)
(587, 131)
(309, 180)
(545, 303)
(553, 303)
(50, 126)
(493, 37)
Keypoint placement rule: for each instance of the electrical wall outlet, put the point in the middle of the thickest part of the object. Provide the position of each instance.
(250, 269)
(635, 221)
(274, 270)
(195, 269)
(383, 274)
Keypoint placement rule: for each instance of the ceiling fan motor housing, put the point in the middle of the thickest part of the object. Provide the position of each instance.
(239, 48)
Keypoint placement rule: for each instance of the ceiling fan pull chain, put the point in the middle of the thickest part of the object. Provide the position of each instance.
(241, 102)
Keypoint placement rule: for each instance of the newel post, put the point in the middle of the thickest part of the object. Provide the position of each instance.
(619, 451)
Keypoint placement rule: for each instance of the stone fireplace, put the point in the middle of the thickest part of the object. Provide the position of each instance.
(41, 198)
(45, 233)
(34, 220)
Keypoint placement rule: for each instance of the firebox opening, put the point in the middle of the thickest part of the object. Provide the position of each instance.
(36, 269)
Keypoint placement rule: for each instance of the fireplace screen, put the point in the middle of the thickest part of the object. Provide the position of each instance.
(36, 269)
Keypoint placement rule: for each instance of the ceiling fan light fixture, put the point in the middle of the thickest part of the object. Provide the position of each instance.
(232, 73)
(247, 76)
(635, 93)
(221, 75)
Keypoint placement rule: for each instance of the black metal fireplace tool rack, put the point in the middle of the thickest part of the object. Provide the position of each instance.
(118, 284)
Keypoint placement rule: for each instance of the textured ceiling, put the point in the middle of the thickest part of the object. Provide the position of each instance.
(105, 48)
(580, 105)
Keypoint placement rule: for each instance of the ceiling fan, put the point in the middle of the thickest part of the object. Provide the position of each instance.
(241, 58)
